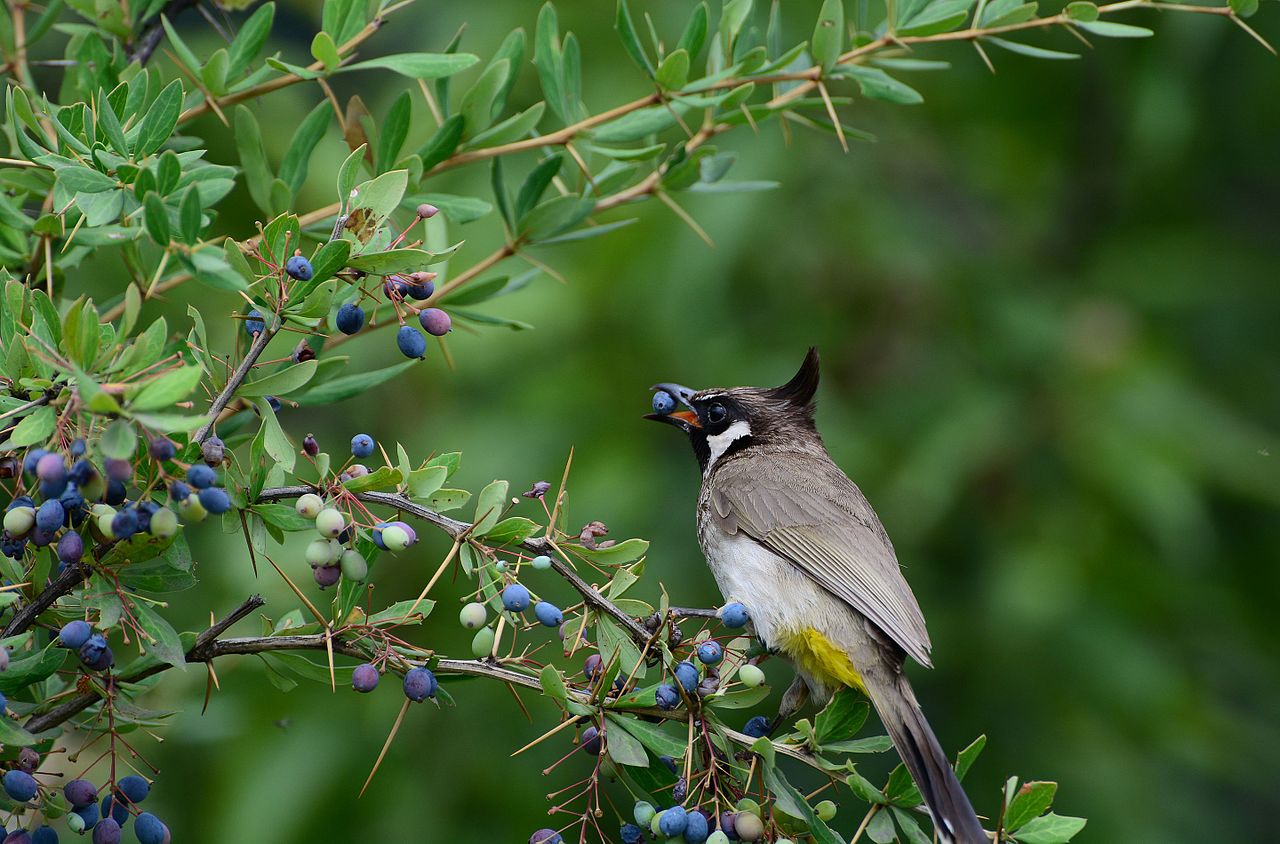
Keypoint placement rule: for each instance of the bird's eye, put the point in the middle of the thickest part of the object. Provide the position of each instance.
(716, 413)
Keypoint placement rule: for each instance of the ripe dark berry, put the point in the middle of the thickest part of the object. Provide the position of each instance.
(254, 324)
(395, 288)
(124, 524)
(350, 318)
(44, 835)
(697, 829)
(546, 836)
(310, 446)
(687, 676)
(663, 402)
(50, 516)
(298, 267)
(515, 598)
(95, 651)
(710, 653)
(668, 696)
(118, 810)
(20, 785)
(673, 822)
(326, 576)
(411, 343)
(28, 759)
(18, 836)
(728, 825)
(161, 448)
(116, 492)
(364, 678)
(70, 547)
(80, 793)
(734, 615)
(74, 634)
(435, 322)
(201, 476)
(592, 741)
(548, 614)
(591, 668)
(51, 467)
(134, 788)
(631, 834)
(150, 830)
(274, 403)
(89, 814)
(419, 684)
(757, 727)
(362, 445)
(107, 832)
(215, 499)
(422, 290)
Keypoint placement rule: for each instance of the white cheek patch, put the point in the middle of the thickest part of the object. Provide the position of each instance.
(720, 442)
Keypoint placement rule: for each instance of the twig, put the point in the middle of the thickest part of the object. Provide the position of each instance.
(151, 35)
(71, 577)
(223, 398)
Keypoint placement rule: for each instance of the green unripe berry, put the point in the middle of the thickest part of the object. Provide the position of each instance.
(482, 643)
(501, 566)
(395, 538)
(746, 804)
(164, 523)
(104, 525)
(330, 522)
(653, 824)
(717, 837)
(353, 565)
(75, 823)
(783, 841)
(749, 826)
(541, 562)
(826, 810)
(309, 505)
(644, 813)
(191, 510)
(319, 553)
(473, 615)
(750, 676)
(20, 520)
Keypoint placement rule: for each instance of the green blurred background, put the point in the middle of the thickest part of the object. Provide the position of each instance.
(1046, 303)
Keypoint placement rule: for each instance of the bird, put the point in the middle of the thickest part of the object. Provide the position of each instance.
(789, 535)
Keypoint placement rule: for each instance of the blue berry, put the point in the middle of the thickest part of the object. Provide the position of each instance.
(50, 516)
(549, 614)
(81, 473)
(134, 788)
(591, 667)
(274, 403)
(435, 322)
(179, 491)
(546, 836)
(734, 615)
(51, 467)
(118, 810)
(687, 676)
(663, 402)
(80, 793)
(44, 835)
(298, 267)
(255, 323)
(361, 445)
(668, 696)
(364, 678)
(757, 727)
(20, 785)
(150, 829)
(89, 814)
(709, 653)
(94, 651)
(697, 829)
(515, 598)
(107, 831)
(70, 547)
(116, 492)
(422, 291)
(350, 318)
(124, 524)
(215, 500)
(161, 448)
(419, 684)
(201, 476)
(411, 342)
(33, 457)
(631, 834)
(673, 822)
(592, 741)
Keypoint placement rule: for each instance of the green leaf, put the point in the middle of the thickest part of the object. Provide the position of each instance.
(510, 531)
(156, 219)
(624, 748)
(738, 698)
(382, 195)
(13, 735)
(348, 386)
(28, 668)
(399, 260)
(476, 105)
(630, 41)
(280, 383)
(553, 216)
(161, 119)
(1049, 829)
(1031, 801)
(968, 756)
(34, 428)
(828, 35)
(490, 503)
(787, 798)
(639, 124)
(419, 65)
(78, 179)
(190, 216)
(1111, 29)
(1242, 8)
(283, 516)
(249, 40)
(515, 128)
(870, 744)
(392, 132)
(274, 441)
(549, 60)
(624, 552)
(911, 831)
(349, 172)
(119, 440)
(425, 481)
(331, 257)
(652, 736)
(165, 644)
(1029, 50)
(900, 790)
(253, 158)
(552, 683)
(294, 165)
(695, 31)
(168, 389)
(673, 73)
(325, 51)
(841, 719)
(382, 478)
(443, 143)
(1082, 10)
(878, 85)
(536, 183)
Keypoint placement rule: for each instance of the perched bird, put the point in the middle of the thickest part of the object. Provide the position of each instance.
(787, 533)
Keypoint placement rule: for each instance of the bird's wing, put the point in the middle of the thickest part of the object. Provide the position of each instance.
(806, 510)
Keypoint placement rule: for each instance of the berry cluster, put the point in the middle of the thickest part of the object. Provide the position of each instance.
(104, 819)
(399, 290)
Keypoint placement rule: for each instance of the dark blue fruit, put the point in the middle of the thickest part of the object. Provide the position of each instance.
(546, 836)
(116, 492)
(70, 547)
(549, 614)
(663, 402)
(201, 476)
(33, 457)
(631, 834)
(673, 822)
(162, 448)
(350, 318)
(80, 793)
(419, 684)
(435, 322)
(118, 810)
(710, 653)
(73, 635)
(687, 676)
(361, 445)
(734, 615)
(591, 668)
(50, 516)
(20, 785)
(697, 829)
(215, 500)
(107, 832)
(668, 696)
(44, 835)
(18, 836)
(274, 403)
(150, 830)
(94, 651)
(516, 598)
(364, 678)
(255, 324)
(757, 727)
(81, 472)
(412, 344)
(124, 524)
(179, 491)
(421, 291)
(592, 741)
(89, 814)
(298, 267)
(134, 788)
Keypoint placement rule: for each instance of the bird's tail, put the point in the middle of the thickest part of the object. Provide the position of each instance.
(953, 814)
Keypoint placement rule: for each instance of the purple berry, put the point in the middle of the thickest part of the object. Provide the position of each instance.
(419, 684)
(70, 547)
(310, 446)
(364, 678)
(80, 793)
(326, 576)
(592, 741)
(435, 322)
(51, 467)
(161, 448)
(591, 668)
(107, 831)
(546, 836)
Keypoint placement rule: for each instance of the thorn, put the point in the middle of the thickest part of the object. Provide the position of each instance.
(395, 728)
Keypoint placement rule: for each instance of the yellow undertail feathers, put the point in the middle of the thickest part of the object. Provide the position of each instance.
(821, 658)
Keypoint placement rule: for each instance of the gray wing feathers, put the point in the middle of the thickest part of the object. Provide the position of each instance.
(836, 539)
